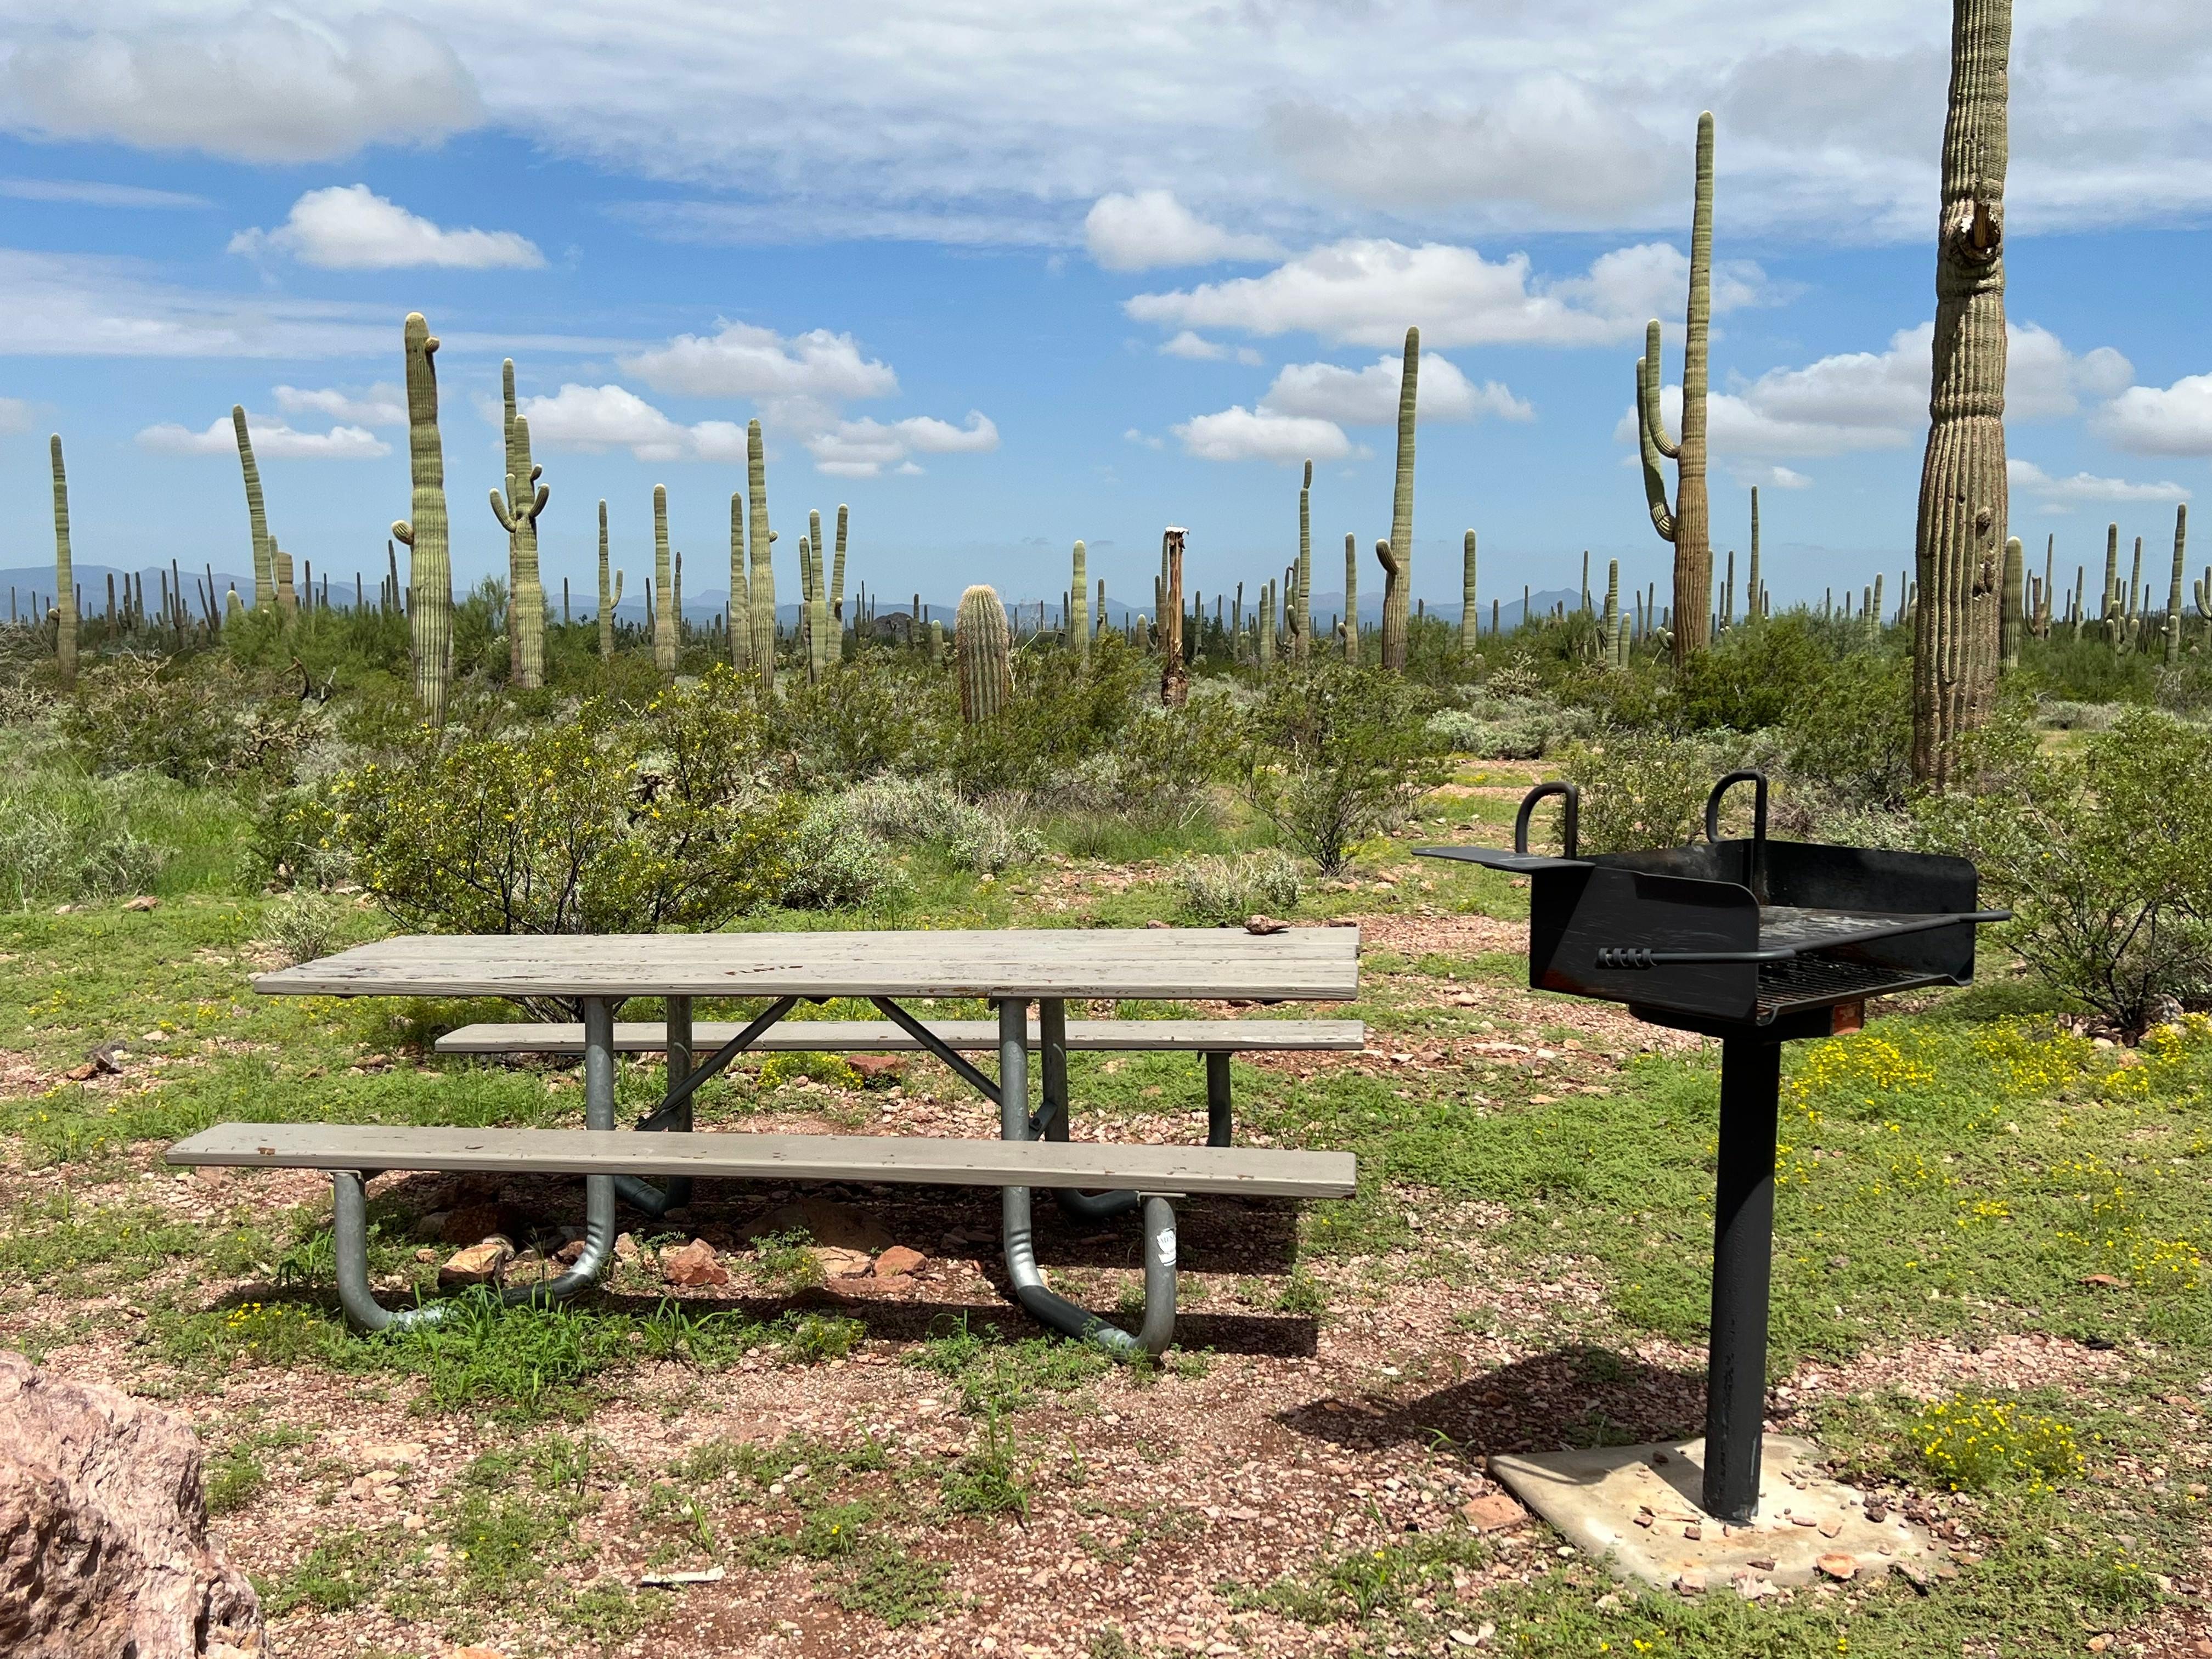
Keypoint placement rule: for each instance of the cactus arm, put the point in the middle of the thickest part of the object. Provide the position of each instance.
(1652, 442)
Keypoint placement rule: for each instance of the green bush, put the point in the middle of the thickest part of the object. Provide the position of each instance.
(594, 824)
(1216, 890)
(1336, 755)
(70, 838)
(1643, 789)
(2104, 855)
(197, 722)
(837, 865)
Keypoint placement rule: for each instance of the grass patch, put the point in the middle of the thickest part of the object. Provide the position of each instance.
(997, 1376)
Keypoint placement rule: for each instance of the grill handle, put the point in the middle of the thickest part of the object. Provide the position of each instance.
(1570, 817)
(1757, 781)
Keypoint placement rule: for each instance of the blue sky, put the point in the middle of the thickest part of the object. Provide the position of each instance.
(999, 285)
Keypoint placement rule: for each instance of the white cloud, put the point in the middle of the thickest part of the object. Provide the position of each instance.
(86, 192)
(862, 448)
(350, 227)
(1239, 434)
(1138, 436)
(1366, 290)
(742, 361)
(1148, 229)
(256, 85)
(81, 306)
(1368, 395)
(14, 415)
(272, 440)
(593, 419)
(2150, 420)
(1194, 346)
(1866, 400)
(382, 404)
(2061, 495)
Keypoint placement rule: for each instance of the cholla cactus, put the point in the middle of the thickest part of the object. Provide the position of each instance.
(980, 641)
(1470, 610)
(1687, 523)
(1078, 613)
(64, 573)
(663, 576)
(429, 564)
(257, 516)
(517, 509)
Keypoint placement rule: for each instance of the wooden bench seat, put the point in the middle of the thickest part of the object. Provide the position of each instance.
(873, 1036)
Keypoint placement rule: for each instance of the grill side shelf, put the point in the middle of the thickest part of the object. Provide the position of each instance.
(1497, 858)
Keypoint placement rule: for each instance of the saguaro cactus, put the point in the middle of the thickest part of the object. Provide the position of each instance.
(257, 516)
(980, 642)
(1686, 524)
(1351, 598)
(429, 561)
(64, 573)
(1175, 675)
(1754, 591)
(517, 509)
(1393, 602)
(1078, 614)
(1470, 612)
(1397, 590)
(739, 617)
(762, 540)
(2173, 593)
(837, 574)
(1301, 592)
(2010, 618)
(1958, 543)
(610, 597)
(1265, 644)
(1612, 637)
(288, 596)
(663, 620)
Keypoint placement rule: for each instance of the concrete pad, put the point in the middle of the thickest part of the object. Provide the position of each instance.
(1636, 1508)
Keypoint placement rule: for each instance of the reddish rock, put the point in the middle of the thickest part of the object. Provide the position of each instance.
(143, 902)
(878, 1071)
(479, 1264)
(103, 1530)
(695, 1263)
(1838, 1565)
(1493, 1512)
(899, 1259)
(842, 1264)
(1266, 925)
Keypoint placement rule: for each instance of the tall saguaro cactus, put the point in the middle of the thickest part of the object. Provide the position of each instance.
(609, 596)
(517, 509)
(64, 573)
(2173, 595)
(1612, 636)
(1351, 598)
(1078, 611)
(1175, 675)
(257, 515)
(664, 619)
(1687, 524)
(429, 558)
(1755, 586)
(740, 612)
(1397, 590)
(762, 540)
(1470, 612)
(1301, 593)
(1959, 545)
(2011, 616)
(980, 640)
(837, 578)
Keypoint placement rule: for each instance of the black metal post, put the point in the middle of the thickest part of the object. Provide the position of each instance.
(1743, 1261)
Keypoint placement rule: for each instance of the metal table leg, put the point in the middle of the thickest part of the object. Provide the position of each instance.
(349, 1206)
(642, 1195)
(1217, 1123)
(1052, 1116)
(1743, 1261)
(1157, 1330)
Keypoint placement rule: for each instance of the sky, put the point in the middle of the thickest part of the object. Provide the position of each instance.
(1001, 277)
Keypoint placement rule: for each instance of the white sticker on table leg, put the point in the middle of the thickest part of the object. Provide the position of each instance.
(1165, 1242)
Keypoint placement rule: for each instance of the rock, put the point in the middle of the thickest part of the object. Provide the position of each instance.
(474, 1653)
(570, 1254)
(1156, 923)
(899, 1259)
(2104, 1281)
(1266, 925)
(695, 1263)
(103, 1530)
(825, 1222)
(1691, 1581)
(479, 1264)
(842, 1264)
(626, 1247)
(1838, 1565)
(143, 902)
(64, 909)
(878, 1070)
(396, 1454)
(1493, 1512)
(81, 1073)
(471, 1223)
(430, 1228)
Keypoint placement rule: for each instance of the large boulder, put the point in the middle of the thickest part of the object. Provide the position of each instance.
(103, 1530)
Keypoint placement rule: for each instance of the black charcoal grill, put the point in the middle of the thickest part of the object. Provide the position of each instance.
(1756, 942)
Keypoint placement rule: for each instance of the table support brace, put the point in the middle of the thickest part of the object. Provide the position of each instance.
(684, 1080)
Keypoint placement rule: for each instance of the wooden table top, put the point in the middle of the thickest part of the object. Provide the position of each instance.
(1316, 964)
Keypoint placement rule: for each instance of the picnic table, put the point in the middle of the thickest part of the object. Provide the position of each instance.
(1009, 969)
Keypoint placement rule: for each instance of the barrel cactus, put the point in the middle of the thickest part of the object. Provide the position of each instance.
(429, 564)
(981, 641)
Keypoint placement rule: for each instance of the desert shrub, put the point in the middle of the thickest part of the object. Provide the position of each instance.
(593, 824)
(1848, 737)
(1217, 889)
(71, 839)
(1510, 728)
(996, 842)
(1334, 755)
(2064, 714)
(2088, 669)
(1645, 789)
(858, 723)
(2104, 855)
(835, 864)
(929, 812)
(304, 926)
(1752, 678)
(196, 722)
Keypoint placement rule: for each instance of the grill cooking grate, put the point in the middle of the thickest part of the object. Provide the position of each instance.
(1818, 979)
